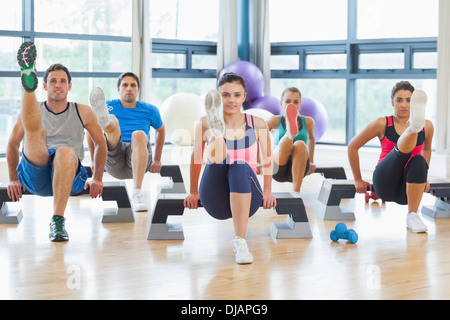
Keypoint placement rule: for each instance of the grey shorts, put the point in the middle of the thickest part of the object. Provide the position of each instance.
(118, 162)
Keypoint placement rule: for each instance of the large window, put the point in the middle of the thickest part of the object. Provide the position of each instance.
(184, 51)
(350, 53)
(91, 38)
(101, 17)
(11, 16)
(178, 19)
(340, 52)
(397, 19)
(373, 99)
(306, 20)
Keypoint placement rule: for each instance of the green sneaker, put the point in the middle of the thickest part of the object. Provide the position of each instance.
(57, 230)
(26, 57)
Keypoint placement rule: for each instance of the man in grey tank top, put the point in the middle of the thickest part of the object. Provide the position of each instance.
(53, 135)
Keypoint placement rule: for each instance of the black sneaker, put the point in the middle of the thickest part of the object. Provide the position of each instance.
(26, 58)
(57, 230)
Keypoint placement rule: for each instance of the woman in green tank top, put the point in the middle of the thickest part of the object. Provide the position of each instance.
(293, 155)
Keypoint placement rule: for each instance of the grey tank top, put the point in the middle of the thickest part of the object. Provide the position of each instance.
(64, 129)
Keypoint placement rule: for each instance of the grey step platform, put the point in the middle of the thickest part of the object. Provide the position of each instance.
(330, 196)
(171, 204)
(333, 191)
(332, 172)
(174, 173)
(115, 191)
(441, 209)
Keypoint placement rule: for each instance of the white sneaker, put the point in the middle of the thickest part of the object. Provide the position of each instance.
(414, 223)
(98, 103)
(243, 256)
(137, 201)
(417, 110)
(214, 113)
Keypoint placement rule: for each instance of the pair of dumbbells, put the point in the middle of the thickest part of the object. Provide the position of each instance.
(341, 232)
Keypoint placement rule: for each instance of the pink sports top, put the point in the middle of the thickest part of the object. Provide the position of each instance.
(391, 137)
(244, 150)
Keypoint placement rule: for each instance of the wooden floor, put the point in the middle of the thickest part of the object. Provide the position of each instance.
(116, 261)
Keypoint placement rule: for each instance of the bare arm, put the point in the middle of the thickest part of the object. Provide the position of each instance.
(273, 122)
(12, 156)
(429, 132)
(374, 129)
(99, 149)
(426, 151)
(91, 146)
(191, 201)
(263, 135)
(311, 144)
(160, 136)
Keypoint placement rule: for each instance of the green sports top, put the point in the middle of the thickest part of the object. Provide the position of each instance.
(281, 131)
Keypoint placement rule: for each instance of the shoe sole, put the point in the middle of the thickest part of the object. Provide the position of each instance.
(97, 97)
(244, 261)
(418, 105)
(291, 118)
(26, 55)
(26, 58)
(214, 112)
(59, 238)
(140, 209)
(98, 103)
(417, 231)
(29, 82)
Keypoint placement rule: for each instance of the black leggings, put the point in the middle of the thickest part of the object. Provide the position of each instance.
(394, 171)
(219, 180)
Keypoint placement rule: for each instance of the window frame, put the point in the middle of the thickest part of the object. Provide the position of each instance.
(28, 34)
(353, 47)
(188, 48)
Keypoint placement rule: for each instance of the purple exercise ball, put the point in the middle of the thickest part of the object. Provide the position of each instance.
(253, 78)
(267, 103)
(312, 108)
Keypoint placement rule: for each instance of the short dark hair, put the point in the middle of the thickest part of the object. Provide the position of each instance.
(290, 89)
(56, 67)
(230, 77)
(402, 85)
(128, 74)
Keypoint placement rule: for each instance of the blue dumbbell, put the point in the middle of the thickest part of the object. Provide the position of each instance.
(341, 232)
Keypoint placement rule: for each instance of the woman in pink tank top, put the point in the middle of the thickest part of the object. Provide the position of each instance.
(401, 173)
(229, 187)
